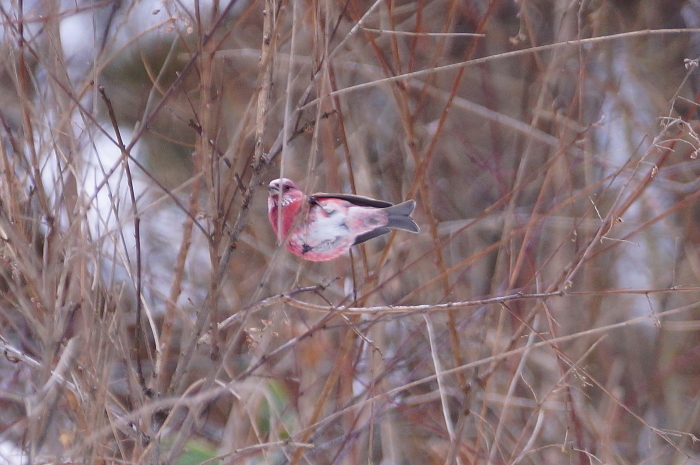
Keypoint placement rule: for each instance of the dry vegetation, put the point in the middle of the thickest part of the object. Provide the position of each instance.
(546, 314)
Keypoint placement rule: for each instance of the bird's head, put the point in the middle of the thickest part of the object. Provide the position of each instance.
(283, 192)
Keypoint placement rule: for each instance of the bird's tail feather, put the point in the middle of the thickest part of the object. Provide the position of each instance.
(400, 216)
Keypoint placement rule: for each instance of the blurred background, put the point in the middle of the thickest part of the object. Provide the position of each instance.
(149, 315)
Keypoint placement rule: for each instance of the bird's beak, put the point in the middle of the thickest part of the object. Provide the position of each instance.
(273, 190)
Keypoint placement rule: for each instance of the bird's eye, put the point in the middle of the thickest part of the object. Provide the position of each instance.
(287, 187)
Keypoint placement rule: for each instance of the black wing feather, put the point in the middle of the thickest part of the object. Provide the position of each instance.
(371, 235)
(354, 199)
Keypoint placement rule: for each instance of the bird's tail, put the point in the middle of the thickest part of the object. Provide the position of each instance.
(400, 216)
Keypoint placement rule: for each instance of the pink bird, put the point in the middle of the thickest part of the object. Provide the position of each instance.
(325, 226)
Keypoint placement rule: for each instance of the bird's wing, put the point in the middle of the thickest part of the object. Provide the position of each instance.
(371, 235)
(354, 199)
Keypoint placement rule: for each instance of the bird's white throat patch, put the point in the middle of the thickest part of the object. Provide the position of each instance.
(286, 200)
